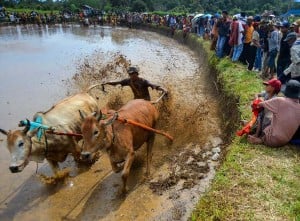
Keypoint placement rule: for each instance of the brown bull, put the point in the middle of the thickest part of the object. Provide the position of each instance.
(120, 140)
(25, 145)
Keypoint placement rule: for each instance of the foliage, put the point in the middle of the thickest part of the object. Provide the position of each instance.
(26, 10)
(139, 6)
(178, 6)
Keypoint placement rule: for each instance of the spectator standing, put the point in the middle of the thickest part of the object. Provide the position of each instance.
(253, 46)
(244, 58)
(201, 26)
(284, 56)
(259, 51)
(236, 38)
(172, 24)
(274, 45)
(264, 30)
(294, 69)
(223, 26)
(214, 32)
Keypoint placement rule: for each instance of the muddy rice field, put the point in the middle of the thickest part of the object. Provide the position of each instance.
(40, 66)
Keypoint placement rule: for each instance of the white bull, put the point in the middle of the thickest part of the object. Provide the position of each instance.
(36, 145)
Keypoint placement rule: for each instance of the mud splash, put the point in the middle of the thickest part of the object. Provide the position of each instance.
(180, 172)
(187, 167)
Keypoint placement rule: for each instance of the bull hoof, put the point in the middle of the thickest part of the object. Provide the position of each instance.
(117, 169)
(122, 192)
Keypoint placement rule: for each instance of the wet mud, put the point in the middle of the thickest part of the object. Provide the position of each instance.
(181, 171)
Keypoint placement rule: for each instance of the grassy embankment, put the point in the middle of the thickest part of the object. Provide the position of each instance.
(254, 182)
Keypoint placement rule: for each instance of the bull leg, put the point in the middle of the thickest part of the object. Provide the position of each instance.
(149, 153)
(115, 167)
(77, 149)
(54, 166)
(126, 169)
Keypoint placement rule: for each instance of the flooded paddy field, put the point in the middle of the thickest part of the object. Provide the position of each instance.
(40, 66)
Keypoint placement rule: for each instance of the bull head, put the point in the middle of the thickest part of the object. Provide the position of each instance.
(19, 145)
(92, 133)
(98, 116)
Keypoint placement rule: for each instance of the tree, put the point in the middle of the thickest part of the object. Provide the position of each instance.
(119, 3)
(139, 6)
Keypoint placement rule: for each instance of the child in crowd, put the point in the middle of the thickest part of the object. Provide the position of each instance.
(264, 118)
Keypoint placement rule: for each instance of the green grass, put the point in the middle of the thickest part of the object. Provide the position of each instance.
(254, 182)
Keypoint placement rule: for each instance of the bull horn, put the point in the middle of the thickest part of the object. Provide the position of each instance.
(3, 131)
(27, 127)
(82, 114)
(99, 116)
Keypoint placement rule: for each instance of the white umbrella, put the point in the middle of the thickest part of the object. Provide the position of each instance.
(198, 15)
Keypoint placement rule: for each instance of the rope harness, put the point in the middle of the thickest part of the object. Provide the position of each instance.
(132, 122)
(44, 129)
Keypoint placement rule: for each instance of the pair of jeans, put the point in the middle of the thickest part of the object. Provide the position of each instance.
(220, 45)
(272, 56)
(258, 59)
(237, 51)
(201, 31)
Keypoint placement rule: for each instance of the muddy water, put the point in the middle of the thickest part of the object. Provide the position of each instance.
(39, 66)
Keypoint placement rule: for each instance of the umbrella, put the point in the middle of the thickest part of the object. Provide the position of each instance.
(207, 15)
(198, 16)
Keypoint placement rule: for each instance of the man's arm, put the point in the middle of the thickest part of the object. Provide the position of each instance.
(157, 87)
(272, 104)
(124, 82)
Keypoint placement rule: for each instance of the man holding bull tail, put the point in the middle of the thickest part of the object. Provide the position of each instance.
(139, 86)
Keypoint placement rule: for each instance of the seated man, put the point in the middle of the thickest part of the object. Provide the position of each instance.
(286, 117)
(139, 86)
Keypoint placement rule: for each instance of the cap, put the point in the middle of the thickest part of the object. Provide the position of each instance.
(132, 70)
(250, 18)
(285, 24)
(257, 18)
(217, 15)
(297, 22)
(292, 89)
(275, 83)
(290, 36)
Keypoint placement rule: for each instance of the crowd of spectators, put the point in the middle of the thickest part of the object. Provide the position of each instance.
(272, 49)
(264, 46)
